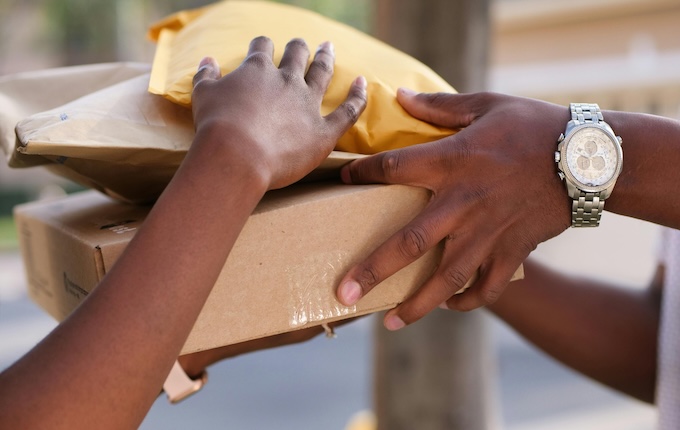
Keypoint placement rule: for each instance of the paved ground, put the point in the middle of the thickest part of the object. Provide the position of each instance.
(323, 383)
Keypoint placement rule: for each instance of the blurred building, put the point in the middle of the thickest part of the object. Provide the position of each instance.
(622, 54)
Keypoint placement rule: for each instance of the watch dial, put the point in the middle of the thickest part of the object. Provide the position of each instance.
(592, 156)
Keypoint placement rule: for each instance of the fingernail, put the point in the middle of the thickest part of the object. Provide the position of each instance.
(444, 306)
(361, 82)
(328, 46)
(406, 92)
(345, 175)
(350, 292)
(204, 62)
(393, 323)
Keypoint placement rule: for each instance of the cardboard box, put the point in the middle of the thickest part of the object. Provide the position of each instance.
(280, 276)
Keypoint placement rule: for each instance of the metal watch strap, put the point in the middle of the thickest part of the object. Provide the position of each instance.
(586, 210)
(586, 113)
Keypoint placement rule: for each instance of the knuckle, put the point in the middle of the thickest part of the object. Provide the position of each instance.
(289, 76)
(477, 104)
(204, 73)
(454, 279)
(413, 311)
(258, 59)
(322, 66)
(489, 295)
(413, 242)
(460, 154)
(351, 111)
(368, 277)
(198, 81)
(478, 195)
(526, 245)
(359, 94)
(438, 100)
(483, 99)
(201, 87)
(520, 243)
(392, 164)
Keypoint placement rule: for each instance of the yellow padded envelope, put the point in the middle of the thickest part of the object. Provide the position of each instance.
(224, 30)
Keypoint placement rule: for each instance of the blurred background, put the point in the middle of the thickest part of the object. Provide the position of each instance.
(629, 50)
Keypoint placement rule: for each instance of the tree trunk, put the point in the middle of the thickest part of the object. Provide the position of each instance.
(450, 36)
(439, 373)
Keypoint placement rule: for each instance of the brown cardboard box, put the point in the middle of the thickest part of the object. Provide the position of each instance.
(281, 274)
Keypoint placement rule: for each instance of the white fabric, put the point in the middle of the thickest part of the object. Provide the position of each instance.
(668, 377)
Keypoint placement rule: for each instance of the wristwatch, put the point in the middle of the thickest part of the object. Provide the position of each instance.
(589, 159)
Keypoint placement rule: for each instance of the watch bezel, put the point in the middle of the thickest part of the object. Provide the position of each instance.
(564, 167)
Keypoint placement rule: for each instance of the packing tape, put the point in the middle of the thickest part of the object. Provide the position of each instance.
(312, 289)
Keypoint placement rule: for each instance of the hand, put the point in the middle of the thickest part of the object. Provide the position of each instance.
(272, 113)
(495, 197)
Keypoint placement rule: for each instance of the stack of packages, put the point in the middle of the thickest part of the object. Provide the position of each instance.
(123, 129)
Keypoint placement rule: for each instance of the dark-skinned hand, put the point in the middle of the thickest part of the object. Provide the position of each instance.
(292, 93)
(495, 197)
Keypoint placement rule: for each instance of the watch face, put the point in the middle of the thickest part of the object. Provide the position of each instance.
(592, 157)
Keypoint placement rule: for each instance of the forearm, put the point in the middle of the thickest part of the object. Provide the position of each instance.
(607, 333)
(119, 346)
(258, 128)
(651, 156)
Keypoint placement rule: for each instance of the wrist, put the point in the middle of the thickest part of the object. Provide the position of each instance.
(229, 149)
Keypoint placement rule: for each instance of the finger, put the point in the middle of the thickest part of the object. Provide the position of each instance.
(342, 118)
(487, 288)
(443, 109)
(321, 70)
(295, 57)
(208, 69)
(458, 265)
(260, 51)
(409, 166)
(401, 249)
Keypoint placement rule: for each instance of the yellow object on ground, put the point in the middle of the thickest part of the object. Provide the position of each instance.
(363, 420)
(224, 30)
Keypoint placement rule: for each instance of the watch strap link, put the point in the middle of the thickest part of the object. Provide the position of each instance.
(586, 113)
(586, 210)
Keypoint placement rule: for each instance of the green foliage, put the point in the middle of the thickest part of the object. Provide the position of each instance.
(357, 13)
(9, 239)
(12, 197)
(84, 30)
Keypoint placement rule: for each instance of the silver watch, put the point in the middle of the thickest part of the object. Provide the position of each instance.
(589, 159)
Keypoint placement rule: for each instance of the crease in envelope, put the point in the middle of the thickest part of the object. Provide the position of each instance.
(27, 93)
(224, 30)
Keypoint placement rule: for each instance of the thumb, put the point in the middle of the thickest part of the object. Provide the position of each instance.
(399, 166)
(441, 109)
